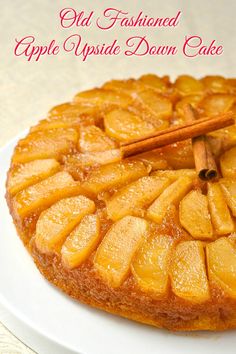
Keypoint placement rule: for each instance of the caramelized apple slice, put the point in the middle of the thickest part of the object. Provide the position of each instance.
(55, 223)
(159, 106)
(171, 195)
(43, 194)
(230, 85)
(124, 86)
(175, 174)
(220, 214)
(45, 124)
(188, 272)
(154, 159)
(150, 266)
(217, 104)
(228, 163)
(114, 175)
(81, 242)
(131, 86)
(191, 99)
(60, 109)
(153, 82)
(188, 85)
(93, 139)
(45, 144)
(49, 124)
(179, 155)
(72, 110)
(229, 190)
(130, 199)
(116, 251)
(86, 159)
(216, 84)
(194, 215)
(124, 125)
(22, 176)
(102, 98)
(221, 260)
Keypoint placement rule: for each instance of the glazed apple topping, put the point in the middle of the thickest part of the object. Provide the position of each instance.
(23, 175)
(45, 144)
(188, 272)
(43, 194)
(150, 266)
(89, 204)
(170, 196)
(94, 139)
(139, 194)
(195, 216)
(220, 214)
(54, 224)
(221, 259)
(117, 249)
(114, 175)
(81, 241)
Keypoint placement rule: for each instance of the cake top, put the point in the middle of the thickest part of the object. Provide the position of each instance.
(71, 188)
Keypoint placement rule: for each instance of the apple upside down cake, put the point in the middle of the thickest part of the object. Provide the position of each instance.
(140, 236)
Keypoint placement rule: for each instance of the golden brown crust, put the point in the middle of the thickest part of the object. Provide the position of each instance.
(172, 313)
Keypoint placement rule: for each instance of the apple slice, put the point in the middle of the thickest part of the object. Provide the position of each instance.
(190, 99)
(124, 86)
(157, 105)
(72, 111)
(131, 86)
(114, 175)
(194, 215)
(215, 84)
(171, 196)
(45, 144)
(228, 187)
(173, 175)
(179, 155)
(188, 272)
(133, 197)
(81, 242)
(220, 214)
(46, 124)
(102, 98)
(43, 194)
(116, 251)
(93, 139)
(188, 85)
(153, 82)
(221, 260)
(155, 159)
(83, 160)
(24, 175)
(55, 223)
(216, 104)
(125, 126)
(150, 266)
(228, 163)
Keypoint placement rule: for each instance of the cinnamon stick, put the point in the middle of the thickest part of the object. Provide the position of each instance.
(189, 123)
(177, 133)
(205, 164)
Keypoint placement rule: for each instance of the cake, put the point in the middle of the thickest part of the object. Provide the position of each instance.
(142, 237)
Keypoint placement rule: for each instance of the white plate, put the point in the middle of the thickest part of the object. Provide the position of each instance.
(50, 322)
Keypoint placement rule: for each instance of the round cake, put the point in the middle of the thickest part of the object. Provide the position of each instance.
(143, 236)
